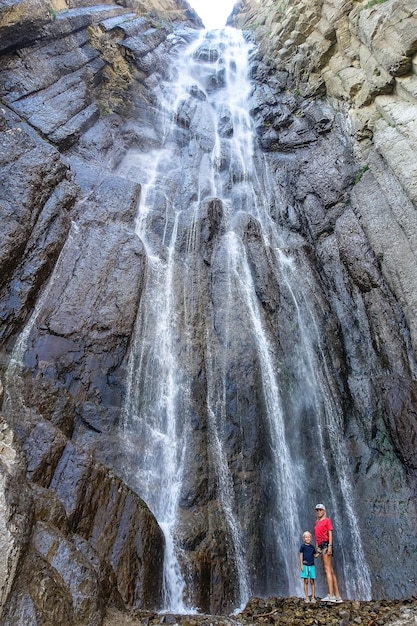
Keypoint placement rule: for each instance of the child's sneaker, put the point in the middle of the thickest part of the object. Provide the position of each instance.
(313, 600)
(307, 600)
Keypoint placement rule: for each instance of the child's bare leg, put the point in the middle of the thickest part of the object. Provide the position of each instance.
(313, 587)
(306, 587)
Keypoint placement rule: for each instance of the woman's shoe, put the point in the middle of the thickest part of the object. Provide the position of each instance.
(339, 600)
(329, 598)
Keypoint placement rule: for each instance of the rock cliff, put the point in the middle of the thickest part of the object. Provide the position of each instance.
(74, 537)
(334, 104)
(362, 57)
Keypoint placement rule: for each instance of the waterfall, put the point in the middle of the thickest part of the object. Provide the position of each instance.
(206, 341)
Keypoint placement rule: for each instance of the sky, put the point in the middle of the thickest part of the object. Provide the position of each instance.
(214, 13)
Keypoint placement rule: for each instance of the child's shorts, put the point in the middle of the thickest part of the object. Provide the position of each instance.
(309, 571)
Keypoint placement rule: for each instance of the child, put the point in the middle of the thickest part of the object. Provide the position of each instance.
(308, 569)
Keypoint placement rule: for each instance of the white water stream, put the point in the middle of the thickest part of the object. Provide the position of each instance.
(160, 375)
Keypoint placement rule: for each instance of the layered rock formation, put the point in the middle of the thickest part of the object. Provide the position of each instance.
(74, 537)
(360, 55)
(334, 105)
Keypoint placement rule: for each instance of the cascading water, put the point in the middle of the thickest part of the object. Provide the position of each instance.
(216, 408)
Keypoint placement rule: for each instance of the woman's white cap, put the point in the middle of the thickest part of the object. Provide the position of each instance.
(320, 506)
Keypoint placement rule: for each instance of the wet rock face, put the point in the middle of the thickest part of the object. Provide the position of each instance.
(79, 537)
(36, 227)
(345, 231)
(364, 241)
(88, 552)
(77, 93)
(362, 56)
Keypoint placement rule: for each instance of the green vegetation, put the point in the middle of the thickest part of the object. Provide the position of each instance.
(52, 12)
(284, 6)
(105, 109)
(371, 3)
(361, 173)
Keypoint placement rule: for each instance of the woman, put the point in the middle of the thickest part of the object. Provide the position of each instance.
(324, 542)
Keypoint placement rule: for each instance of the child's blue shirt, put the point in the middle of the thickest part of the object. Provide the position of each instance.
(308, 552)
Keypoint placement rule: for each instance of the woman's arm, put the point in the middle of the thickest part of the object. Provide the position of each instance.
(330, 549)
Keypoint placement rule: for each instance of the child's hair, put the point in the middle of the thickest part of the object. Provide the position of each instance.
(307, 532)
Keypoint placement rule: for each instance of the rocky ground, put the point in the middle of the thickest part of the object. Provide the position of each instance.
(286, 611)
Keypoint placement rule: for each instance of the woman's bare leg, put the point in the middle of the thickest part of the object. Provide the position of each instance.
(330, 575)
